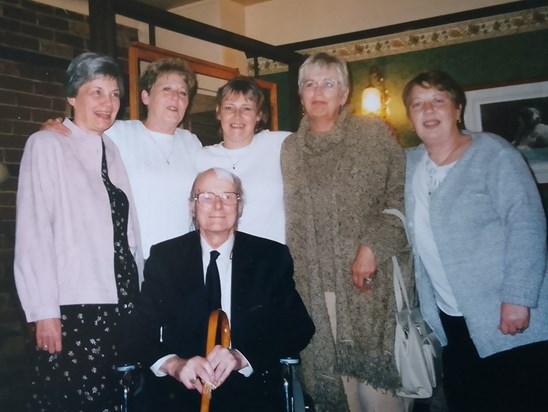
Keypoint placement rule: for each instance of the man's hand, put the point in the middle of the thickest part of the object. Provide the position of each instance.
(192, 373)
(224, 361)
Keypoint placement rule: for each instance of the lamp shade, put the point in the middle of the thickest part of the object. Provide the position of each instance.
(371, 101)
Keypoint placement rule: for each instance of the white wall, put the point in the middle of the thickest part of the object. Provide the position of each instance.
(233, 19)
(218, 13)
(285, 21)
(206, 11)
(288, 21)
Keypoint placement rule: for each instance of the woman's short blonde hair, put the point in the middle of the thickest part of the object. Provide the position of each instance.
(329, 61)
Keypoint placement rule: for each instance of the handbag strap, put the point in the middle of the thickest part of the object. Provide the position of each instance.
(400, 291)
(399, 215)
(399, 286)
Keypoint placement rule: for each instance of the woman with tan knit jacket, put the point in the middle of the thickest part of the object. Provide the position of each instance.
(340, 172)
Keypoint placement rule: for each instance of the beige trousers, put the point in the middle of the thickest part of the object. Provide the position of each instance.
(361, 396)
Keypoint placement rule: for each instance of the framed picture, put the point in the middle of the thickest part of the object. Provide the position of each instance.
(517, 112)
(201, 119)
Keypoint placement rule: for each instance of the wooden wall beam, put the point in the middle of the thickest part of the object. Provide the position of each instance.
(170, 21)
(102, 27)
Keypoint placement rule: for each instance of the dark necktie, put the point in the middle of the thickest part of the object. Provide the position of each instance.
(213, 282)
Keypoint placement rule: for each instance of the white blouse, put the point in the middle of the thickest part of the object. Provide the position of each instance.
(427, 179)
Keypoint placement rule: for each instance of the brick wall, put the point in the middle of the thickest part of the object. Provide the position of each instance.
(36, 44)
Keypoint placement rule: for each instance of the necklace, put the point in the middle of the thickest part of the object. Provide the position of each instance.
(168, 157)
(243, 152)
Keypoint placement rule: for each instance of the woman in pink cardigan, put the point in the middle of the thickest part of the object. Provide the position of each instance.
(77, 246)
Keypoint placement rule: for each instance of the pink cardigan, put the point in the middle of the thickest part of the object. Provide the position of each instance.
(63, 251)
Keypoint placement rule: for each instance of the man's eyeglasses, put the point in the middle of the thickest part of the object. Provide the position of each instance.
(208, 198)
(324, 84)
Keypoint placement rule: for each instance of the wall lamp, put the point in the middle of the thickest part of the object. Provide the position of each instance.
(375, 96)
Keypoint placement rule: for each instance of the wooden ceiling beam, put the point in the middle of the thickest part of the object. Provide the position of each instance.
(170, 21)
(102, 27)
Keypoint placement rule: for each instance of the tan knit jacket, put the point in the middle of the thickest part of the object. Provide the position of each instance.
(336, 185)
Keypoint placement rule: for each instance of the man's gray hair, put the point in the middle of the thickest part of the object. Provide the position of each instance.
(221, 174)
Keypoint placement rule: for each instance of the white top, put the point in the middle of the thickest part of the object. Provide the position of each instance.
(161, 171)
(426, 180)
(258, 166)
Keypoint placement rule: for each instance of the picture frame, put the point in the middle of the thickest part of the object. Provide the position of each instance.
(201, 119)
(519, 113)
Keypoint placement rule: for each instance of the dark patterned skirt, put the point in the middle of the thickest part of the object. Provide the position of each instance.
(83, 376)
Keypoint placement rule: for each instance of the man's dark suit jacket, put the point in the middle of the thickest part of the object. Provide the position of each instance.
(268, 320)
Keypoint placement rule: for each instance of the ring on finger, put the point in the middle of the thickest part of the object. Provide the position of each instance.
(193, 380)
(368, 281)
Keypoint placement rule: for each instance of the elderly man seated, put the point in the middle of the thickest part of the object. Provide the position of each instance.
(250, 278)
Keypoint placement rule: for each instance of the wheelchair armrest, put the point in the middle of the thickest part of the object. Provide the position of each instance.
(126, 368)
(290, 360)
(294, 397)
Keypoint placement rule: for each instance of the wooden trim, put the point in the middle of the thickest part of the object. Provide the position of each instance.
(273, 97)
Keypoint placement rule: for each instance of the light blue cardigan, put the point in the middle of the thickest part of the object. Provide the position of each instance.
(490, 229)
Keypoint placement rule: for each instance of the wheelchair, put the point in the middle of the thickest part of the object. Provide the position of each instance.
(219, 333)
(130, 381)
(295, 400)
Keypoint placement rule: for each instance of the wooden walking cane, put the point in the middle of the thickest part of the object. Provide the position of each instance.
(218, 332)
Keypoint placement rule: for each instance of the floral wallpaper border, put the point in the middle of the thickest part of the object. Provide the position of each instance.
(461, 32)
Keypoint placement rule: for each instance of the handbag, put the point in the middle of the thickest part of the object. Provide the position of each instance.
(417, 350)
